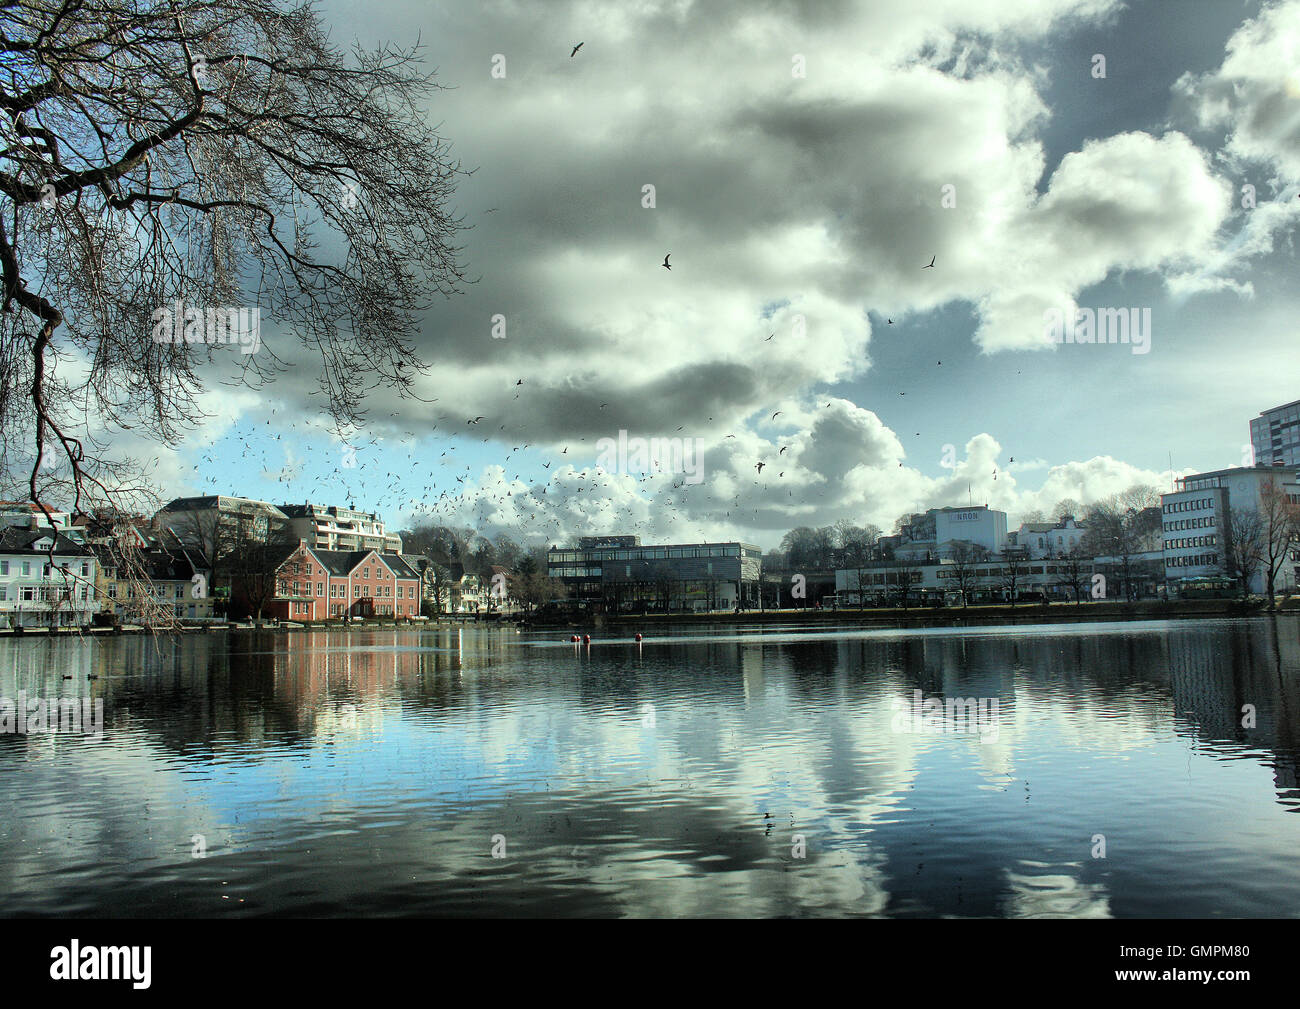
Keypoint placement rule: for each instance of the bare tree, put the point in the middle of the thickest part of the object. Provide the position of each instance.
(200, 156)
(1243, 546)
(252, 564)
(964, 556)
(1279, 529)
(1011, 575)
(1070, 572)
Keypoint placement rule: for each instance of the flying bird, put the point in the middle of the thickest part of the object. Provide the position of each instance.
(666, 266)
(929, 264)
(575, 49)
(769, 338)
(890, 321)
(474, 421)
(775, 415)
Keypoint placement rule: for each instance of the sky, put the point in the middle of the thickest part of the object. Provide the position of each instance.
(808, 159)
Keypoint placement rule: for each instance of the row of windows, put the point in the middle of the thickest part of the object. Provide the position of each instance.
(26, 567)
(338, 591)
(339, 609)
(1205, 522)
(43, 593)
(1192, 505)
(1190, 541)
(1193, 561)
(645, 553)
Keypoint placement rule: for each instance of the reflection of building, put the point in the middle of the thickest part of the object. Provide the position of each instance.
(621, 572)
(38, 589)
(336, 528)
(1275, 436)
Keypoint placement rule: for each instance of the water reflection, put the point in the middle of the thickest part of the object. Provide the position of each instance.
(746, 773)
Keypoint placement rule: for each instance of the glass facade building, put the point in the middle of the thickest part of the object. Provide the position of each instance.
(622, 574)
(1275, 436)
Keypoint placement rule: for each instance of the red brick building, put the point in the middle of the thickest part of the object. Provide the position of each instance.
(316, 584)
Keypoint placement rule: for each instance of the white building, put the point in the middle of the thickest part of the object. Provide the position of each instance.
(334, 528)
(979, 524)
(1195, 520)
(213, 521)
(1049, 539)
(37, 590)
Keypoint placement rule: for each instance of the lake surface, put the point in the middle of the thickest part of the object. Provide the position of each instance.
(739, 773)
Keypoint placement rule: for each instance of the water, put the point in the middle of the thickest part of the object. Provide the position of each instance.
(374, 773)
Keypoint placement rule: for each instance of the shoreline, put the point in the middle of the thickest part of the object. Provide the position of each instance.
(884, 619)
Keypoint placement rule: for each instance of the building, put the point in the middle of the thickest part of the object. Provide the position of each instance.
(1047, 539)
(987, 581)
(978, 524)
(138, 578)
(1275, 436)
(40, 588)
(315, 584)
(621, 574)
(1195, 521)
(214, 522)
(334, 528)
(29, 515)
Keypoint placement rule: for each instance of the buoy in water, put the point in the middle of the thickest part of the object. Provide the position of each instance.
(586, 638)
(638, 637)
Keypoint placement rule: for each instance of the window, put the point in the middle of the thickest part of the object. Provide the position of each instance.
(356, 591)
(320, 588)
(27, 568)
(4, 567)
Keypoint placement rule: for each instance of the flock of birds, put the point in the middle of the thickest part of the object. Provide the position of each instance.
(520, 500)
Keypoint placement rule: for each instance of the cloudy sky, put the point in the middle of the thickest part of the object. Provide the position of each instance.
(808, 159)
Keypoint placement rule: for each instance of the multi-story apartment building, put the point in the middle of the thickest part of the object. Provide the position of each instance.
(1196, 518)
(623, 573)
(214, 522)
(315, 584)
(40, 588)
(1275, 436)
(334, 528)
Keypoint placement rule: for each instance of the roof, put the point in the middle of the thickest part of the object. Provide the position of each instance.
(341, 563)
(163, 566)
(18, 540)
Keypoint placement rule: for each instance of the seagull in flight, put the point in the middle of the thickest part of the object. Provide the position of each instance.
(474, 421)
(929, 265)
(769, 338)
(666, 266)
(575, 50)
